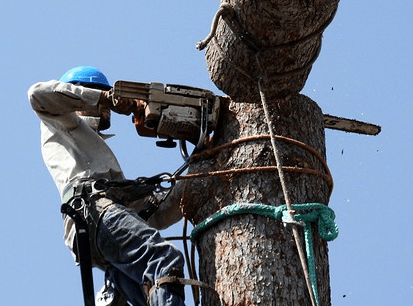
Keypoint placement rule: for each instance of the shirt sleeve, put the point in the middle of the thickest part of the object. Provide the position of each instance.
(54, 101)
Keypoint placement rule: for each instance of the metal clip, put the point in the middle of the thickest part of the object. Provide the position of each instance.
(100, 185)
(157, 181)
(286, 219)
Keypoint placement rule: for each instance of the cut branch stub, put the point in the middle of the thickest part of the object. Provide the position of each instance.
(275, 40)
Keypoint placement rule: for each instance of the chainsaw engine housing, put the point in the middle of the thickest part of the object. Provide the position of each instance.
(171, 111)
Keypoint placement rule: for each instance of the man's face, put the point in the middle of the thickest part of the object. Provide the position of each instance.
(104, 123)
(102, 112)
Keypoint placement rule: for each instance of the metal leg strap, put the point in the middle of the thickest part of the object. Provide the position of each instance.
(177, 280)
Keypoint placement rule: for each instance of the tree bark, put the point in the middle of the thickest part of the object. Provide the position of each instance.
(277, 40)
(252, 259)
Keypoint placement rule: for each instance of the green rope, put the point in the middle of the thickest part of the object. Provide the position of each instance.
(325, 216)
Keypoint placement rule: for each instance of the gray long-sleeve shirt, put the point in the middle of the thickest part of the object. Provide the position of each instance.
(72, 150)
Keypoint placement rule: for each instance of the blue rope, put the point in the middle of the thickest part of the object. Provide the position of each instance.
(327, 228)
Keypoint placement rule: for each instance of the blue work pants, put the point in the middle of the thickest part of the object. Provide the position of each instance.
(137, 254)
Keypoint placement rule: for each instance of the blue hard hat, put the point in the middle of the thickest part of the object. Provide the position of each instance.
(87, 76)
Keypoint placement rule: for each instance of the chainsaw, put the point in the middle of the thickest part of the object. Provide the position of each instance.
(171, 111)
(190, 114)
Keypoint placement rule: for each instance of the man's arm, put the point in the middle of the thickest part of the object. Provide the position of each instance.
(121, 106)
(53, 98)
(169, 211)
(56, 100)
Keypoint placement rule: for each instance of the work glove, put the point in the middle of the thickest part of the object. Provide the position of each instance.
(124, 106)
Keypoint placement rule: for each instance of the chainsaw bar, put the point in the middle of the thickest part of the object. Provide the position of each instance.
(350, 125)
(175, 111)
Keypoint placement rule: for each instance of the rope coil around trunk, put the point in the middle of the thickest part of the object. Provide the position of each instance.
(328, 229)
(228, 15)
(209, 153)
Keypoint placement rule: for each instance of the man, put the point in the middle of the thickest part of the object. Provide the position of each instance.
(73, 112)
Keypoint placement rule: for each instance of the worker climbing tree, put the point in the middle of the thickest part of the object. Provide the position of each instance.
(257, 191)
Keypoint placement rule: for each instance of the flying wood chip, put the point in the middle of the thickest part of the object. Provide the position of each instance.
(350, 125)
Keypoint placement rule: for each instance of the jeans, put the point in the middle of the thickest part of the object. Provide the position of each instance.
(137, 254)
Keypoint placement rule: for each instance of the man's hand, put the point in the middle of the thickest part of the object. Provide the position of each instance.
(120, 106)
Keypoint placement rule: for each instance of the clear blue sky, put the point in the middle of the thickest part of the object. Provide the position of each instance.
(364, 72)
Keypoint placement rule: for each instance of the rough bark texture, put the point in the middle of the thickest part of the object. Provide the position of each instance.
(285, 37)
(252, 259)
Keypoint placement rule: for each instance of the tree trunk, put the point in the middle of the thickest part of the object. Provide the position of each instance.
(252, 259)
(277, 39)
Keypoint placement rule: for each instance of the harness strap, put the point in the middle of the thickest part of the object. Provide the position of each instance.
(83, 247)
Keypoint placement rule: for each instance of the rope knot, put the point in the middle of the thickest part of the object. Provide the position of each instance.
(324, 215)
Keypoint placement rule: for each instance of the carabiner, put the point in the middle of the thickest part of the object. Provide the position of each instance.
(157, 181)
(165, 177)
(185, 157)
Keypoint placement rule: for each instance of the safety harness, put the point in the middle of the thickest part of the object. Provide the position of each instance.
(78, 199)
